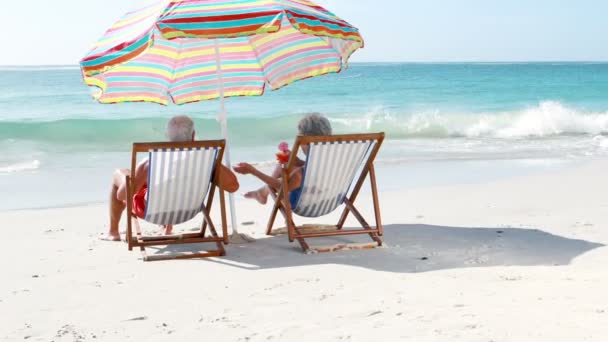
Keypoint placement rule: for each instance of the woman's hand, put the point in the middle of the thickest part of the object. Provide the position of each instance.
(244, 168)
(248, 169)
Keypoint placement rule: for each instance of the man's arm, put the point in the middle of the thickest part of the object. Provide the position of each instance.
(228, 181)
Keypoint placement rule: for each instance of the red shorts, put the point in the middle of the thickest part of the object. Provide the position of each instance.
(139, 202)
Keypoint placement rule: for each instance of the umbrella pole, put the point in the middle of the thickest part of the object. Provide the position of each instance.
(224, 128)
(222, 118)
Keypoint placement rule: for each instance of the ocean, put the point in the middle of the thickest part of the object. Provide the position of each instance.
(465, 122)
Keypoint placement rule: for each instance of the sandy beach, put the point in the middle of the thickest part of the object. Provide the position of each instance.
(520, 259)
(490, 169)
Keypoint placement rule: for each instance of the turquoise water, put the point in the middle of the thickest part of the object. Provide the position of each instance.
(51, 129)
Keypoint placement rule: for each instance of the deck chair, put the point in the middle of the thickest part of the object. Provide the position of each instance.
(332, 163)
(180, 177)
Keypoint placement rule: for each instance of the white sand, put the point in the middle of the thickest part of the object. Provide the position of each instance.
(543, 278)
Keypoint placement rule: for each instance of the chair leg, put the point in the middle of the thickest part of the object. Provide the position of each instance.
(138, 234)
(303, 244)
(286, 206)
(209, 204)
(219, 244)
(353, 197)
(203, 228)
(129, 214)
(207, 218)
(362, 221)
(223, 217)
(220, 251)
(283, 206)
(342, 219)
(139, 238)
(129, 235)
(273, 214)
(372, 178)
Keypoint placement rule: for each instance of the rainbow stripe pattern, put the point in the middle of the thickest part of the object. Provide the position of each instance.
(186, 51)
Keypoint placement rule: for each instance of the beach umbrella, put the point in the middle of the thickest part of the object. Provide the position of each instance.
(194, 50)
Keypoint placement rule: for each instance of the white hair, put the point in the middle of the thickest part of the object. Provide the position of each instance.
(180, 128)
(314, 124)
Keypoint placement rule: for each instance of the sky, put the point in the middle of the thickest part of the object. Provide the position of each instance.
(42, 32)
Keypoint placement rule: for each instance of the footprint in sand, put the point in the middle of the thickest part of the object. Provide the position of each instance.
(70, 330)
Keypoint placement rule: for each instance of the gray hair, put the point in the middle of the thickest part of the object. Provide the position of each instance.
(180, 128)
(314, 124)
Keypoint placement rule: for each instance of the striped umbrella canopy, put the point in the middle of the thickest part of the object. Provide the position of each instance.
(193, 50)
(184, 51)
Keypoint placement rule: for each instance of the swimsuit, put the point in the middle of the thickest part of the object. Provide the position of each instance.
(294, 196)
(139, 202)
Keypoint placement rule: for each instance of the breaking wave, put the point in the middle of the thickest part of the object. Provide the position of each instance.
(19, 167)
(548, 119)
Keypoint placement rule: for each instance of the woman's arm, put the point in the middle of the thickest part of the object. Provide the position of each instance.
(295, 178)
(248, 169)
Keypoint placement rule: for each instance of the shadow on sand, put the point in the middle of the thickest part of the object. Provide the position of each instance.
(414, 248)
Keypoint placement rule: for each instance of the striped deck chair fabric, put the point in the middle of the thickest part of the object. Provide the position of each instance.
(328, 173)
(178, 181)
(335, 169)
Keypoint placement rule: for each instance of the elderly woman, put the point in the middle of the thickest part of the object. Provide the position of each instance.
(313, 124)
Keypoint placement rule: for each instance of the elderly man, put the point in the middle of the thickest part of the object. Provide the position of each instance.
(313, 124)
(179, 129)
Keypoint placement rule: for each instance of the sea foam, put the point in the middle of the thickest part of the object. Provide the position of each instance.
(549, 118)
(20, 167)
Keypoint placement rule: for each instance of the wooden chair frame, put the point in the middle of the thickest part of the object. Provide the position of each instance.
(139, 240)
(283, 205)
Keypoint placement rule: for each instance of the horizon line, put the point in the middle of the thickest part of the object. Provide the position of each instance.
(376, 62)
